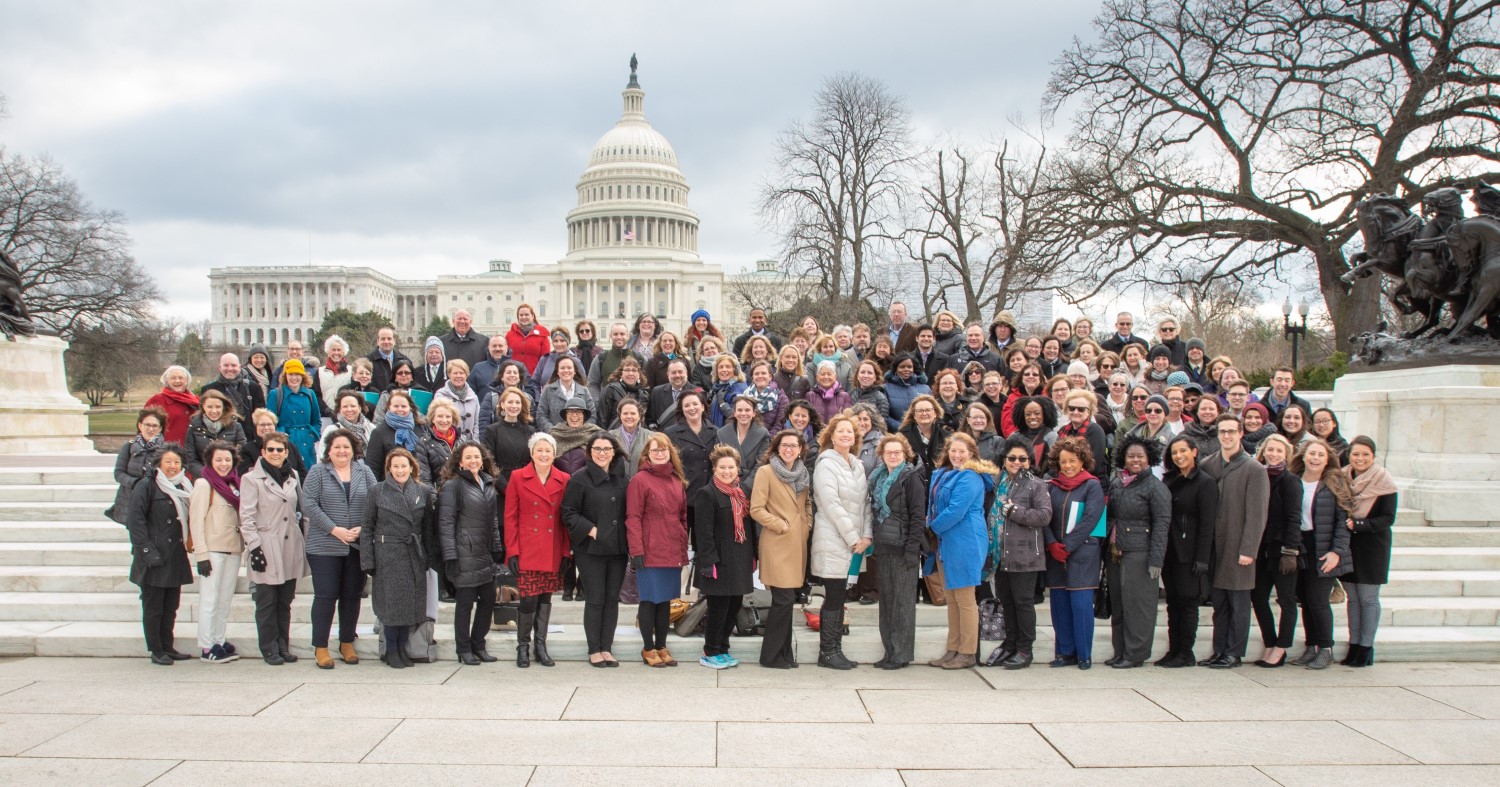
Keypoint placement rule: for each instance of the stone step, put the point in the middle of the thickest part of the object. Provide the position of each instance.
(1443, 583)
(98, 531)
(43, 553)
(63, 511)
(566, 642)
(1475, 558)
(10, 476)
(1406, 517)
(61, 493)
(1430, 536)
(125, 607)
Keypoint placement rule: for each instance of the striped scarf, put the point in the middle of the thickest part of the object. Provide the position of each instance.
(739, 504)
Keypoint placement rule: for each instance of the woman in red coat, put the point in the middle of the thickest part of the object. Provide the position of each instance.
(178, 400)
(527, 340)
(536, 541)
(656, 532)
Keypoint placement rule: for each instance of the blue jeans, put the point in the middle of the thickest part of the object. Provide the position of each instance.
(1073, 622)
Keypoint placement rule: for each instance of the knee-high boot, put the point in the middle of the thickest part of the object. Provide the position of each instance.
(831, 641)
(543, 615)
(524, 623)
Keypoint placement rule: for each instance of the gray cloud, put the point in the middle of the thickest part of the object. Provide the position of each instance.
(429, 139)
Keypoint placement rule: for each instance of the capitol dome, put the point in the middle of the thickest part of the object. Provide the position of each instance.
(632, 197)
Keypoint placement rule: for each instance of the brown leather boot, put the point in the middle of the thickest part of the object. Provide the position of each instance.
(960, 661)
(324, 660)
(346, 651)
(943, 659)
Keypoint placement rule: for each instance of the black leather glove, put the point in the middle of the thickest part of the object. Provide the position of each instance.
(637, 562)
(257, 559)
(706, 570)
(515, 564)
(152, 557)
(497, 558)
(450, 568)
(1288, 564)
(205, 568)
(1200, 568)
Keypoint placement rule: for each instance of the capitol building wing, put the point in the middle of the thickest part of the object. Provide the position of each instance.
(632, 247)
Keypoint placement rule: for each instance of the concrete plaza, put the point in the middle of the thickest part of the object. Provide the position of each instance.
(126, 722)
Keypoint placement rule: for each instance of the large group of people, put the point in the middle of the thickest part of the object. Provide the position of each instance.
(898, 464)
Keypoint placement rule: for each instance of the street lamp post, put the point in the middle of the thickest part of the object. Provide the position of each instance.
(1295, 332)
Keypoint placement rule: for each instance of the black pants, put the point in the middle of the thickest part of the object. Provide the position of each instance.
(570, 572)
(1268, 577)
(159, 617)
(601, 578)
(1231, 622)
(273, 615)
(1017, 593)
(835, 592)
(473, 612)
(1317, 611)
(654, 620)
(337, 582)
(718, 624)
(1183, 597)
(776, 645)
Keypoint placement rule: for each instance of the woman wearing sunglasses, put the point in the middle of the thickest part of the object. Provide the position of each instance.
(1026, 510)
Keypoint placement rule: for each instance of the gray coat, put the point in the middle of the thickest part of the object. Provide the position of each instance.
(271, 520)
(131, 465)
(325, 505)
(1140, 516)
(633, 454)
(1244, 495)
(396, 543)
(547, 411)
(198, 440)
(468, 528)
(757, 440)
(1024, 538)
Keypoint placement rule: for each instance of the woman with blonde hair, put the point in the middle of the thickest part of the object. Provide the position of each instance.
(1327, 499)
(841, 530)
(656, 531)
(790, 373)
(956, 514)
(465, 402)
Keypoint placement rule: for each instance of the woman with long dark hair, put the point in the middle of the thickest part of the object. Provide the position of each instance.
(469, 510)
(781, 503)
(1190, 541)
(593, 508)
(1370, 523)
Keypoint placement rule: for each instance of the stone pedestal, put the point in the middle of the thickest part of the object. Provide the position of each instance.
(37, 413)
(1438, 429)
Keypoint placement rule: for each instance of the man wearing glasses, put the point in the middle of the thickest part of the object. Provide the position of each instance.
(1168, 336)
(1124, 334)
(1244, 495)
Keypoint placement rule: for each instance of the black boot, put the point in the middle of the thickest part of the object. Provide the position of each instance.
(286, 651)
(830, 641)
(524, 623)
(543, 615)
(1354, 658)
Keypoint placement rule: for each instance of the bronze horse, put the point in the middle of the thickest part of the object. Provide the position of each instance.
(1391, 231)
(1475, 243)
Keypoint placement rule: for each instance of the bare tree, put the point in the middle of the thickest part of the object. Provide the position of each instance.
(1239, 134)
(981, 244)
(836, 192)
(75, 263)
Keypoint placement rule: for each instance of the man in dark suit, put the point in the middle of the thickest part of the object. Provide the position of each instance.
(902, 333)
(1124, 325)
(383, 357)
(463, 342)
(757, 328)
(929, 360)
(974, 350)
(661, 411)
(245, 397)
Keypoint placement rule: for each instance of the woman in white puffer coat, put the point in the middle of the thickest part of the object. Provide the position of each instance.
(842, 528)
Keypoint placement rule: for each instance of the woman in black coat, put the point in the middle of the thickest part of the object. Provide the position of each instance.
(1277, 565)
(1190, 541)
(593, 509)
(508, 436)
(136, 458)
(1370, 544)
(157, 516)
(395, 543)
(469, 512)
(1326, 546)
(724, 542)
(1140, 514)
(1026, 507)
(899, 496)
(695, 438)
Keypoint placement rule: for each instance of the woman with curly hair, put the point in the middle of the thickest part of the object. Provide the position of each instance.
(956, 513)
(1073, 550)
(1140, 513)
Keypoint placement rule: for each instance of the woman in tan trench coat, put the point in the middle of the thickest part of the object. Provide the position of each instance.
(270, 523)
(781, 503)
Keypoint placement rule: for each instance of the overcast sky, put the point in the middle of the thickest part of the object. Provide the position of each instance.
(423, 139)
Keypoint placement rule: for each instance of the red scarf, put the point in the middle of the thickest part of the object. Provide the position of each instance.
(1076, 431)
(1069, 484)
(187, 398)
(336, 368)
(450, 437)
(739, 504)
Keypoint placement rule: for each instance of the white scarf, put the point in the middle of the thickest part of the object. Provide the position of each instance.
(177, 488)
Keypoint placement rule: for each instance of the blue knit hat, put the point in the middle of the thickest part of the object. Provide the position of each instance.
(1178, 378)
(700, 313)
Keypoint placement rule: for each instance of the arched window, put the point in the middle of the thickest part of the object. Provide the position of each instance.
(621, 312)
(234, 336)
(260, 335)
(298, 334)
(489, 316)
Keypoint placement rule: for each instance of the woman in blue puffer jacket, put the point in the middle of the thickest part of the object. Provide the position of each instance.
(956, 514)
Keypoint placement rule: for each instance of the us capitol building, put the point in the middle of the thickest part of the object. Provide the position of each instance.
(632, 247)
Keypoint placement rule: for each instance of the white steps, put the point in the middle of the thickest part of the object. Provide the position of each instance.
(65, 589)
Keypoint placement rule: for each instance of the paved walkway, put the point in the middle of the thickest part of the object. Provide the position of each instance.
(124, 721)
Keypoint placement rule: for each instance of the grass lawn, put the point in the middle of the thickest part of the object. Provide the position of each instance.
(122, 422)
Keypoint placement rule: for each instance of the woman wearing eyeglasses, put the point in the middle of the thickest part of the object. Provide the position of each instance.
(1140, 512)
(656, 528)
(593, 508)
(1026, 510)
